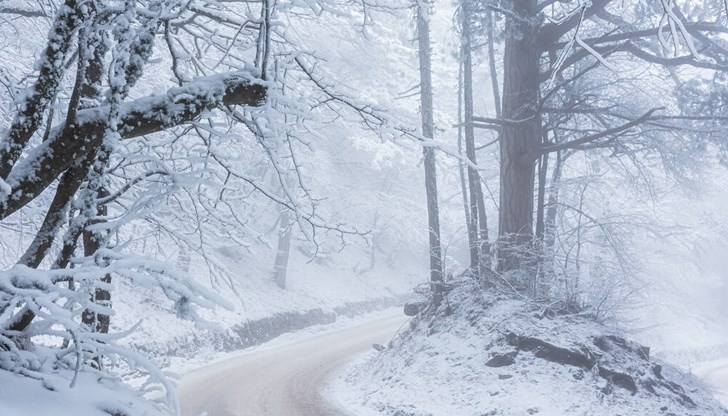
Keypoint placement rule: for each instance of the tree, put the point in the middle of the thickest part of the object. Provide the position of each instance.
(528, 85)
(428, 127)
(477, 218)
(67, 140)
(89, 156)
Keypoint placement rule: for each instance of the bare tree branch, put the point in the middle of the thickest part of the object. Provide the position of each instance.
(606, 133)
(676, 61)
(22, 12)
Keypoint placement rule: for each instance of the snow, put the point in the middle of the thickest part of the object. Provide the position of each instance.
(359, 181)
(438, 368)
(715, 374)
(91, 396)
(183, 365)
(23, 396)
(326, 286)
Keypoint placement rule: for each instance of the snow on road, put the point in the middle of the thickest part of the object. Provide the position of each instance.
(715, 374)
(285, 377)
(284, 380)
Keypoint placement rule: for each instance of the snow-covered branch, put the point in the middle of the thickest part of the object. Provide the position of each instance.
(147, 115)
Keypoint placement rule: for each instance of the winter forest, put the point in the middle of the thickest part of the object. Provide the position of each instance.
(363, 207)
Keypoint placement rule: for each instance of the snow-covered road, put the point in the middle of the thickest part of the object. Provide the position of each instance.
(281, 381)
(715, 374)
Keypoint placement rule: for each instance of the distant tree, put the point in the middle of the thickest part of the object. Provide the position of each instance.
(428, 129)
(478, 240)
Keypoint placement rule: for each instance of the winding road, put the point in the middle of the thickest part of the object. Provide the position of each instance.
(715, 375)
(281, 381)
(285, 380)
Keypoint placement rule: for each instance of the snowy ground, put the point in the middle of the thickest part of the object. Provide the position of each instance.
(24, 396)
(444, 367)
(253, 296)
(473, 386)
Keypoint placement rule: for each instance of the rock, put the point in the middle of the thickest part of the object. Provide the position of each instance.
(549, 352)
(606, 343)
(622, 380)
(657, 370)
(501, 360)
(413, 308)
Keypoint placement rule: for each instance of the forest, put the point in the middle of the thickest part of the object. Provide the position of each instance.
(539, 184)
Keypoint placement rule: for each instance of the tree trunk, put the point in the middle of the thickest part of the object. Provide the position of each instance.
(520, 139)
(93, 240)
(280, 267)
(543, 167)
(433, 215)
(478, 229)
(484, 245)
(473, 181)
(461, 166)
(492, 65)
(552, 209)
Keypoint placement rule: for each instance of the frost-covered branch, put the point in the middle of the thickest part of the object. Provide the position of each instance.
(143, 116)
(552, 32)
(35, 101)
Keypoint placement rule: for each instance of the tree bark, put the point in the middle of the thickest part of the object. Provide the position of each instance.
(472, 173)
(85, 91)
(520, 138)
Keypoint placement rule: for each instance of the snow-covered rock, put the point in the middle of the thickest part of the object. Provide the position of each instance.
(487, 352)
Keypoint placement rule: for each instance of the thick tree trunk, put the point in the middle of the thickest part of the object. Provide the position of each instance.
(433, 215)
(88, 77)
(520, 139)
